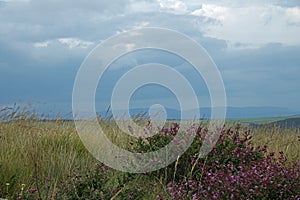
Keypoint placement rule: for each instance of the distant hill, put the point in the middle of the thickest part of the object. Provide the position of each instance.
(64, 111)
(231, 112)
(257, 112)
(293, 122)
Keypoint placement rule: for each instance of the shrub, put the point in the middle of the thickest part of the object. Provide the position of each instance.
(235, 169)
(102, 182)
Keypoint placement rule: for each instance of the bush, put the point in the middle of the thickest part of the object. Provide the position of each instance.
(102, 182)
(234, 169)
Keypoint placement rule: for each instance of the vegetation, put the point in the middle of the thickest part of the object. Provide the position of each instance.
(259, 122)
(46, 160)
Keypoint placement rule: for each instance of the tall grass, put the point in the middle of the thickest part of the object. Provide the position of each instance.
(33, 151)
(44, 154)
(286, 140)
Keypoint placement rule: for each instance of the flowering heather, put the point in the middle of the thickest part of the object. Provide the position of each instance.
(235, 169)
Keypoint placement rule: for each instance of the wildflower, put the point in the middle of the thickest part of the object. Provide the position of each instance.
(7, 185)
(22, 189)
(130, 196)
(32, 191)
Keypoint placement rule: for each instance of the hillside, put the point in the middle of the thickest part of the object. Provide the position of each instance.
(292, 122)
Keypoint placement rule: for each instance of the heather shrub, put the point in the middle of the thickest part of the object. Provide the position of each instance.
(260, 180)
(232, 147)
(235, 169)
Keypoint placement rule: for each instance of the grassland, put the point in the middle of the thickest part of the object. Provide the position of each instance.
(44, 154)
(259, 121)
(33, 151)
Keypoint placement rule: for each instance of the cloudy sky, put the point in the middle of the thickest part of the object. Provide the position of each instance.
(255, 45)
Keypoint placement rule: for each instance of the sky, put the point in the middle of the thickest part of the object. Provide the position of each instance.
(255, 45)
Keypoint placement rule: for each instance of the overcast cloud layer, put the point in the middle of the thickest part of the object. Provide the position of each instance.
(255, 45)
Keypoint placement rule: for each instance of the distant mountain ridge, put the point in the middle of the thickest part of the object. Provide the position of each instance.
(65, 112)
(231, 112)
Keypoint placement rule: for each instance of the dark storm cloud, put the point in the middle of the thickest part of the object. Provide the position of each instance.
(43, 43)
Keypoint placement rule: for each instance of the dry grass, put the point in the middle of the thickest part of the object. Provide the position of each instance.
(32, 151)
(278, 139)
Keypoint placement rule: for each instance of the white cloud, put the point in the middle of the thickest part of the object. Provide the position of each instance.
(293, 15)
(143, 6)
(69, 42)
(251, 26)
(212, 11)
(241, 24)
(41, 44)
(125, 46)
(173, 6)
(75, 43)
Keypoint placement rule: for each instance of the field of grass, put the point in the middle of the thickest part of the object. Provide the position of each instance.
(259, 121)
(47, 160)
(277, 139)
(33, 151)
